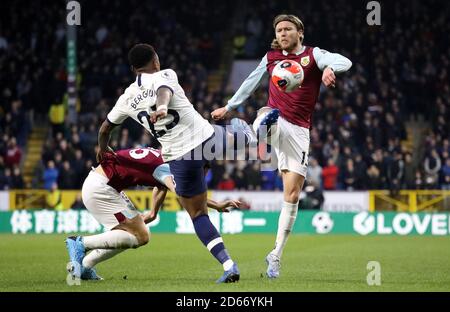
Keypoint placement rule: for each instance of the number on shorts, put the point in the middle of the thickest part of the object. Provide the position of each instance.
(303, 157)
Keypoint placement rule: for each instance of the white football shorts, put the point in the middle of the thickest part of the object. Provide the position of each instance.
(292, 147)
(106, 205)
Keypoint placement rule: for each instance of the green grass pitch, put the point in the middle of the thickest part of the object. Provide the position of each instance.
(172, 262)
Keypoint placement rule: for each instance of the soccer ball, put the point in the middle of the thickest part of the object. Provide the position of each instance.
(287, 75)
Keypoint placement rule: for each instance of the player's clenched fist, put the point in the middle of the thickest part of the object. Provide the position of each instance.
(219, 113)
(154, 117)
(329, 78)
(101, 153)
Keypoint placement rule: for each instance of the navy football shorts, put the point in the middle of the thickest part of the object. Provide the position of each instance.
(189, 170)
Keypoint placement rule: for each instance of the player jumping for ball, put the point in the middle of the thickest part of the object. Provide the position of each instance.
(295, 110)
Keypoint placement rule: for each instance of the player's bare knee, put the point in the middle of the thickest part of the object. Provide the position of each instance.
(143, 237)
(196, 213)
(292, 196)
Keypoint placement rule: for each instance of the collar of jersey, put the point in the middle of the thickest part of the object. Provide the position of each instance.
(297, 53)
(137, 80)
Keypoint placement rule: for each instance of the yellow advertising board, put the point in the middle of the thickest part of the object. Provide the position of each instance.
(38, 199)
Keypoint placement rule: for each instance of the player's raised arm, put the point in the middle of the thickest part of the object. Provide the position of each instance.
(158, 196)
(250, 84)
(330, 64)
(163, 97)
(165, 84)
(104, 134)
(115, 117)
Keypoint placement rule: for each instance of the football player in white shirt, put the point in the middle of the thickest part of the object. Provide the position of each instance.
(157, 101)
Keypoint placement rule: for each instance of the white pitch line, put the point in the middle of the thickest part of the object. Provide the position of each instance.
(255, 222)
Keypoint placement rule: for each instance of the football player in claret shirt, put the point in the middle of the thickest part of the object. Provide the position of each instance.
(292, 111)
(103, 196)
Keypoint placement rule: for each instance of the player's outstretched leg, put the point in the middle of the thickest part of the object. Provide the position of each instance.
(267, 121)
(240, 126)
(232, 138)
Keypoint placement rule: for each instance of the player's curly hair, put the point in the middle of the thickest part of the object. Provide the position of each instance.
(140, 55)
(290, 18)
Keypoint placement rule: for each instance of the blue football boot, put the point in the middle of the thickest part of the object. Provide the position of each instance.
(230, 276)
(74, 266)
(90, 274)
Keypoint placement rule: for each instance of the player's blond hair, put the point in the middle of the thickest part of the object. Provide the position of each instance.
(289, 18)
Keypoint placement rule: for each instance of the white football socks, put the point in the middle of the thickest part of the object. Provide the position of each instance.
(115, 239)
(99, 255)
(227, 265)
(285, 223)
